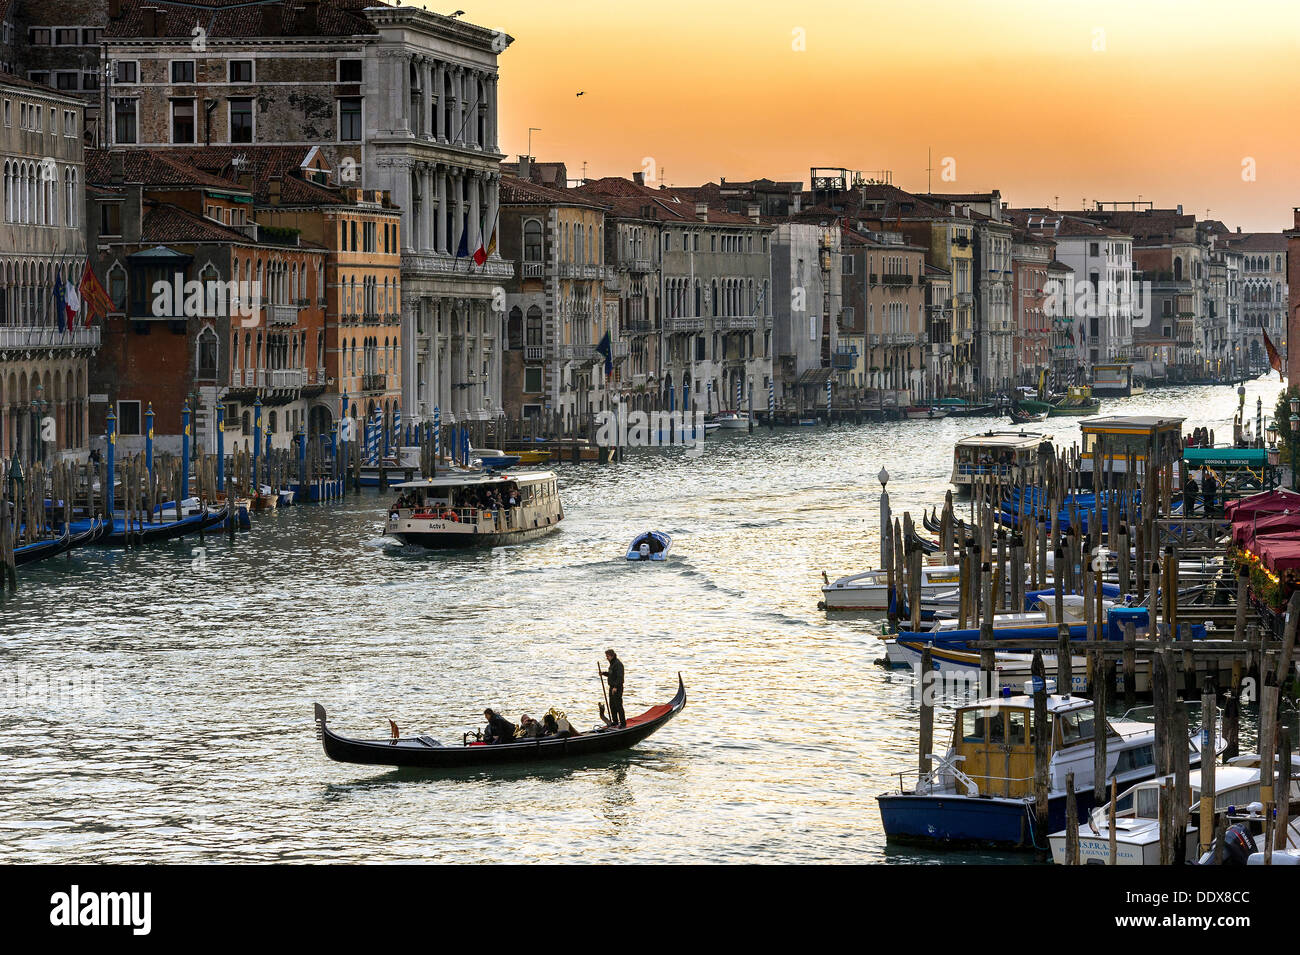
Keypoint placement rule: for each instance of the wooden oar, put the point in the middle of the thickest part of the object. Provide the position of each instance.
(601, 676)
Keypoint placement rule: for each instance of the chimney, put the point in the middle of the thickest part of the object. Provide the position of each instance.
(525, 168)
(753, 211)
(307, 22)
(114, 9)
(150, 15)
(639, 178)
(798, 203)
(246, 181)
(702, 211)
(116, 168)
(1180, 208)
(1297, 221)
(273, 190)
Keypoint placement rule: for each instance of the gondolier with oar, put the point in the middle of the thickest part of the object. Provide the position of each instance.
(614, 676)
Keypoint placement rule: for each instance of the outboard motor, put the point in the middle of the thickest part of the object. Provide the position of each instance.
(644, 550)
(1238, 845)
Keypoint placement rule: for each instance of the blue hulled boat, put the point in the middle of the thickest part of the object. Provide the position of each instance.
(652, 545)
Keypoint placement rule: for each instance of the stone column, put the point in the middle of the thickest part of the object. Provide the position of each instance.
(491, 93)
(403, 83)
(428, 212)
(441, 243)
(440, 121)
(475, 212)
(426, 100)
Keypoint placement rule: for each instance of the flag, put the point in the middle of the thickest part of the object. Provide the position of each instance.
(1274, 358)
(97, 300)
(492, 239)
(606, 348)
(71, 301)
(462, 247)
(60, 303)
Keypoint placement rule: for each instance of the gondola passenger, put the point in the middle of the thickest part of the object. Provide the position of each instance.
(498, 729)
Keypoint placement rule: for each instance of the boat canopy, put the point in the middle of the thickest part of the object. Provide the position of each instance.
(475, 478)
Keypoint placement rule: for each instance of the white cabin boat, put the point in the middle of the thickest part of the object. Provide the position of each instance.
(1002, 454)
(1137, 817)
(731, 421)
(459, 509)
(869, 590)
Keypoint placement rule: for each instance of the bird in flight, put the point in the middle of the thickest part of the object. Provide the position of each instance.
(581, 93)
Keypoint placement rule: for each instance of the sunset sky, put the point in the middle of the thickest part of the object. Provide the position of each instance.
(1161, 100)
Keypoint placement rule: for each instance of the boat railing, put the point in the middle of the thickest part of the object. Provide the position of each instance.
(932, 779)
(1002, 470)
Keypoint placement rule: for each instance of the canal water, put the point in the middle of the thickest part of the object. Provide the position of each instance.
(156, 704)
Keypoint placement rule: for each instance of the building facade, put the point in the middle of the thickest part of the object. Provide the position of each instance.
(44, 355)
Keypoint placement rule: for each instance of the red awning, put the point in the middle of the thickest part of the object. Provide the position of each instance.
(1274, 502)
(1246, 530)
(1279, 554)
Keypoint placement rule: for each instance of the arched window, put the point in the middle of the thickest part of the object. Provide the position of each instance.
(206, 354)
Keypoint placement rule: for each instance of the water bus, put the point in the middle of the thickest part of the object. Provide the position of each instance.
(1003, 454)
(459, 510)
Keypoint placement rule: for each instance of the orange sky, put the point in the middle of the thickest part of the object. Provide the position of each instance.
(1095, 99)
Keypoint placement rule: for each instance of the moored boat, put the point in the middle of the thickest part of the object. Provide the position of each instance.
(869, 590)
(981, 792)
(730, 421)
(930, 412)
(423, 752)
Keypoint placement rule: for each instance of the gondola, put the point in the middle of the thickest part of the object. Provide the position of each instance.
(1020, 415)
(117, 533)
(656, 543)
(423, 753)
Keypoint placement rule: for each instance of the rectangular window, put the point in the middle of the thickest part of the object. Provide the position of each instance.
(110, 218)
(848, 265)
(91, 37)
(349, 71)
(182, 120)
(39, 36)
(8, 114)
(65, 37)
(182, 71)
(128, 417)
(241, 71)
(40, 76)
(90, 81)
(350, 119)
(1094, 248)
(126, 71)
(533, 380)
(66, 81)
(124, 121)
(241, 120)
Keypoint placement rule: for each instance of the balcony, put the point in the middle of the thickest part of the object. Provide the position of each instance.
(533, 353)
(621, 349)
(374, 382)
(736, 323)
(370, 318)
(897, 278)
(534, 270)
(612, 283)
(440, 263)
(638, 327)
(582, 354)
(282, 314)
(23, 337)
(684, 325)
(844, 358)
(963, 299)
(641, 265)
(288, 378)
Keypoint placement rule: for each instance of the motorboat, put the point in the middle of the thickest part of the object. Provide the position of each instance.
(458, 509)
(652, 545)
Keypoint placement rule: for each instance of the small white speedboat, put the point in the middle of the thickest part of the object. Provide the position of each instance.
(732, 421)
(652, 545)
(869, 590)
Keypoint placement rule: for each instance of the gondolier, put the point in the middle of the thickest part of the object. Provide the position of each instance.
(614, 675)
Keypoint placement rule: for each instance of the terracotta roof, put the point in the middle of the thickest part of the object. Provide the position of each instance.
(263, 163)
(1256, 241)
(1049, 222)
(520, 192)
(154, 168)
(240, 18)
(667, 202)
(165, 223)
(20, 82)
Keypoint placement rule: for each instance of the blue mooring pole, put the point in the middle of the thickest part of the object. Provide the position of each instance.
(257, 444)
(111, 435)
(221, 447)
(148, 439)
(185, 456)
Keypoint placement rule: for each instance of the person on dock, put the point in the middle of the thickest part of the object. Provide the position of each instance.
(498, 729)
(1209, 489)
(1189, 496)
(614, 676)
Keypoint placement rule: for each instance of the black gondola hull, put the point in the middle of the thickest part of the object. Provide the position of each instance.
(410, 753)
